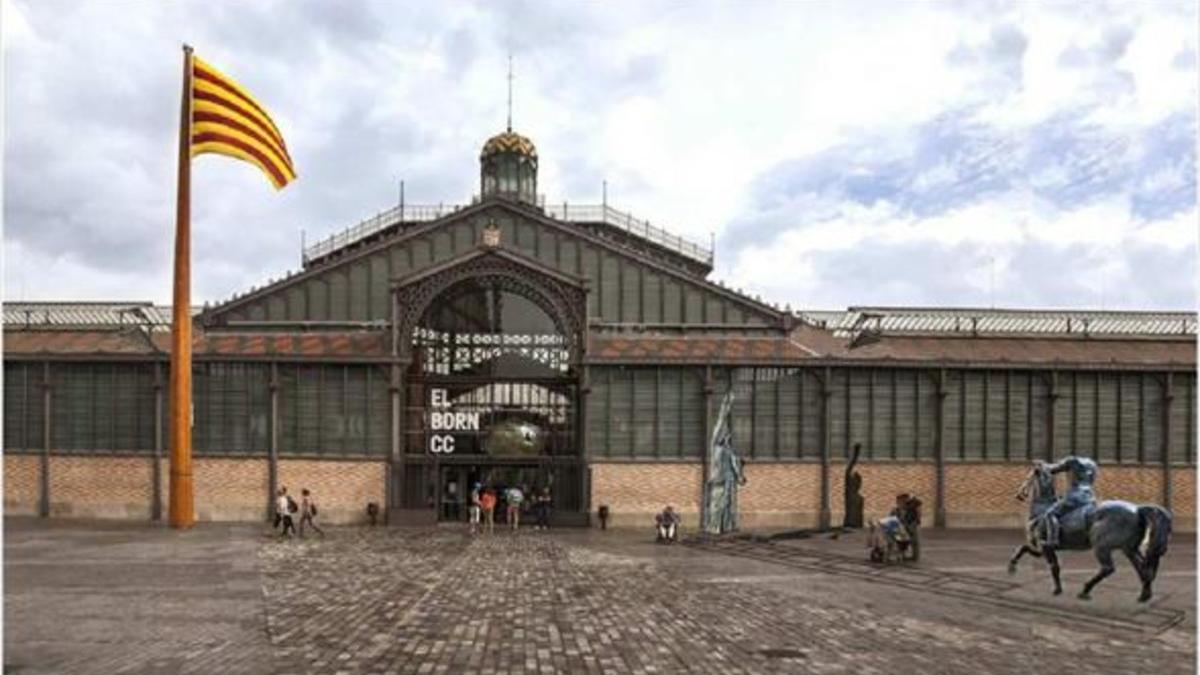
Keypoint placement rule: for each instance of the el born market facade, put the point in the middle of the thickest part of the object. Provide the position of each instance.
(512, 342)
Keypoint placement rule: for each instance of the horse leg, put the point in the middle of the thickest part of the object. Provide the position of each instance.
(1104, 556)
(1052, 560)
(1025, 548)
(1139, 565)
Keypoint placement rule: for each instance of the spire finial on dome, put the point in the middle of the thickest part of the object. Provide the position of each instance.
(510, 79)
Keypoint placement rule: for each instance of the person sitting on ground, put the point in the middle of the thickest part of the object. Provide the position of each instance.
(667, 524)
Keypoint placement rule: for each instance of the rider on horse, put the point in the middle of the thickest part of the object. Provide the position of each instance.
(1083, 473)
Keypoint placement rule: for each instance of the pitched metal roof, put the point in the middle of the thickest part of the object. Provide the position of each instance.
(133, 343)
(86, 315)
(977, 321)
(401, 217)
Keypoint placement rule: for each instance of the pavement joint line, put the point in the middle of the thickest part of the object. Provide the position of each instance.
(830, 565)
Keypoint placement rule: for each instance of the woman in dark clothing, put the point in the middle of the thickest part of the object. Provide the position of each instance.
(542, 503)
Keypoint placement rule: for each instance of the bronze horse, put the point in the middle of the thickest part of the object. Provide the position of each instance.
(1103, 527)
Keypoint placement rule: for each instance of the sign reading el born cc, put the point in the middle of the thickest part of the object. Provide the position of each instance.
(442, 419)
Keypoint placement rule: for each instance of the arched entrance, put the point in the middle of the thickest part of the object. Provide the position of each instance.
(490, 349)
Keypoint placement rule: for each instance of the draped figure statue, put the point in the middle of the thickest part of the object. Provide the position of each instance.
(725, 475)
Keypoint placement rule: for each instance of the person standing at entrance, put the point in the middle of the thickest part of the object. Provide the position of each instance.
(542, 504)
(514, 497)
(308, 511)
(487, 504)
(475, 504)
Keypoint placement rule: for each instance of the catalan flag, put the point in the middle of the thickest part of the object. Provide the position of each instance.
(226, 120)
(217, 115)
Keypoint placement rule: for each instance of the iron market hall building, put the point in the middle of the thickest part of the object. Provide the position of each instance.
(509, 342)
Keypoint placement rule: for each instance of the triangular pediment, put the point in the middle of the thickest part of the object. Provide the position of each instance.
(497, 252)
(626, 286)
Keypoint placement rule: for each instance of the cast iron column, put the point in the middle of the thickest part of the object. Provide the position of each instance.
(939, 513)
(1051, 404)
(1168, 397)
(708, 392)
(395, 482)
(585, 390)
(156, 504)
(273, 441)
(824, 517)
(44, 497)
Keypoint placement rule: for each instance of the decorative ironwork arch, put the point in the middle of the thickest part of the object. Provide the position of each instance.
(565, 303)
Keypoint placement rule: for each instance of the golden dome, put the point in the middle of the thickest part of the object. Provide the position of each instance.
(508, 142)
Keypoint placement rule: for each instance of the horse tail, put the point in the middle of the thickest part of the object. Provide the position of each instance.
(1158, 520)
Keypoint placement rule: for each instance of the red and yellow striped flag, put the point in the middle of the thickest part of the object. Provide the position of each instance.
(226, 120)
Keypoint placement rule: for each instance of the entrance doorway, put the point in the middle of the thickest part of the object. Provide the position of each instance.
(456, 481)
(491, 397)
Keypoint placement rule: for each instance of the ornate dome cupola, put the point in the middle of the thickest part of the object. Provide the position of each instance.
(508, 168)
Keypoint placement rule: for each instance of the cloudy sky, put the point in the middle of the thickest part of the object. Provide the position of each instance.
(842, 153)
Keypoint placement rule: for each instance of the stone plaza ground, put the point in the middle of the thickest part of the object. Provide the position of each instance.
(129, 598)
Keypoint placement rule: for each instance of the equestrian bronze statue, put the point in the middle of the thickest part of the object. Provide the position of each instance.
(725, 475)
(1077, 522)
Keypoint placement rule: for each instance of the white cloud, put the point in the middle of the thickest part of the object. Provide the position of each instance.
(688, 111)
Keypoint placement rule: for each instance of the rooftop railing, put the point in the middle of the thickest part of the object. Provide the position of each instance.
(574, 213)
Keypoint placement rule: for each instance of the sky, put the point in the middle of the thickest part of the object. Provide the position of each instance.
(1034, 155)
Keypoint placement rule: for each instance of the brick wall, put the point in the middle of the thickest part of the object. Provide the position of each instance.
(100, 487)
(226, 489)
(1140, 485)
(780, 495)
(341, 489)
(984, 495)
(22, 475)
(1183, 497)
(634, 492)
(787, 495)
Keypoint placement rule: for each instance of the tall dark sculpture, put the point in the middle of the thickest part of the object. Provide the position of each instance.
(853, 492)
(725, 475)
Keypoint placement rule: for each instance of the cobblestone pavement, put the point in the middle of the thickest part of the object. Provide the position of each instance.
(440, 602)
(104, 598)
(129, 598)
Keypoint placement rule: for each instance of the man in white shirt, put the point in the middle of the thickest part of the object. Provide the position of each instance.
(283, 513)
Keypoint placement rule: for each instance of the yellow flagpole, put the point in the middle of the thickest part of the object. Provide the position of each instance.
(182, 506)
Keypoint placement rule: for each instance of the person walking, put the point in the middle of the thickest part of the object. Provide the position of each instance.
(475, 508)
(542, 502)
(285, 506)
(487, 504)
(308, 511)
(514, 497)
